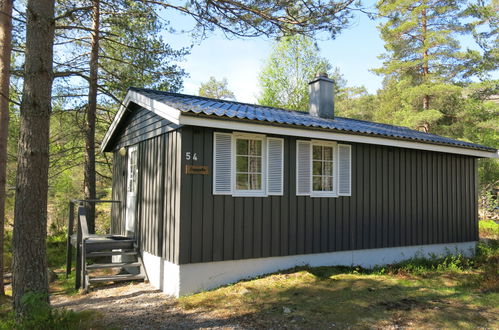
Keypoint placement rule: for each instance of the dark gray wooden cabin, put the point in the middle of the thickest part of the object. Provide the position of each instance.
(400, 187)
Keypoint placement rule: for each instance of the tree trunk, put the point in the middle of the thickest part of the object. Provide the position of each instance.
(426, 69)
(5, 53)
(30, 215)
(91, 113)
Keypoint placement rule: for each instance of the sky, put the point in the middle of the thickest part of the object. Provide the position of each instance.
(354, 52)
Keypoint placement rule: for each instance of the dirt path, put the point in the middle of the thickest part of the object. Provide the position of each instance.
(140, 306)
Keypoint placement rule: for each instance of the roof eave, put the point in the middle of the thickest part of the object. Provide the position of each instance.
(194, 119)
(150, 104)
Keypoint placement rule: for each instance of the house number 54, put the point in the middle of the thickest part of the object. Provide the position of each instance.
(189, 155)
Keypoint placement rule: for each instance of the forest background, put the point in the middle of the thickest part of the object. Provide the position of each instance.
(430, 82)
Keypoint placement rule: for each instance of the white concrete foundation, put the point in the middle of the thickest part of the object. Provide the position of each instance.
(180, 280)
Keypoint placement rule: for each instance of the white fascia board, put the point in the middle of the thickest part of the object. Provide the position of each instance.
(161, 109)
(316, 134)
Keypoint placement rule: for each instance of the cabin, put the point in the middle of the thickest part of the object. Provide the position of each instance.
(215, 191)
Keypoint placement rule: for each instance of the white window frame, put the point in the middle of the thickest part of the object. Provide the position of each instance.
(334, 145)
(249, 193)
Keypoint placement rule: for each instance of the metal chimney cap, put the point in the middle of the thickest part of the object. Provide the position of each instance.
(321, 76)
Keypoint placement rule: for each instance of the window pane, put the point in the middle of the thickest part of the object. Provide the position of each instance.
(255, 147)
(255, 164)
(241, 164)
(328, 168)
(328, 153)
(242, 147)
(317, 167)
(255, 181)
(242, 182)
(317, 152)
(328, 183)
(317, 183)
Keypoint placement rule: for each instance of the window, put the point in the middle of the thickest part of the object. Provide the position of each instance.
(323, 169)
(249, 160)
(132, 169)
(247, 164)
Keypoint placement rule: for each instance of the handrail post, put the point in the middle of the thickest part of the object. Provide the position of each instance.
(81, 236)
(69, 248)
(78, 255)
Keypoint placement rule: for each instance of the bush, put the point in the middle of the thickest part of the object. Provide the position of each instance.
(488, 229)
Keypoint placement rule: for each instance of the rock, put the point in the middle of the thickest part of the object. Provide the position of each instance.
(371, 289)
(243, 291)
(286, 310)
(52, 276)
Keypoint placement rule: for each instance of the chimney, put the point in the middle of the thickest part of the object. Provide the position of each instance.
(322, 96)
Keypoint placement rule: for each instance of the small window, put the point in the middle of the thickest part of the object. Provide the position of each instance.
(247, 165)
(322, 168)
(249, 160)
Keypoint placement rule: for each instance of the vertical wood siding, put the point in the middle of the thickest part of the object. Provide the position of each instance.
(158, 195)
(399, 197)
(118, 193)
(139, 125)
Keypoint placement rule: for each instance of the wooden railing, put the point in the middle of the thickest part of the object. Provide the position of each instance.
(81, 236)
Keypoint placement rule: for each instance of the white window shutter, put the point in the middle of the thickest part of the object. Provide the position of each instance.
(303, 167)
(222, 164)
(344, 170)
(275, 166)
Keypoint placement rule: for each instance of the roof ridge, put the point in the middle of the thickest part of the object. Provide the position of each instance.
(300, 112)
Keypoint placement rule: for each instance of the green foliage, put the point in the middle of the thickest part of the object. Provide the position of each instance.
(489, 229)
(356, 103)
(39, 315)
(485, 29)
(254, 18)
(284, 78)
(421, 35)
(216, 89)
(134, 53)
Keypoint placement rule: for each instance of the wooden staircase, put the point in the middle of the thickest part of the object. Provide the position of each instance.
(100, 257)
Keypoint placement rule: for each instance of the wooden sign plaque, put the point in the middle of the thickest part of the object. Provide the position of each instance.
(196, 169)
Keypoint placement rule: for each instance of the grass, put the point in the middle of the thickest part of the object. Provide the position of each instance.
(453, 292)
(488, 229)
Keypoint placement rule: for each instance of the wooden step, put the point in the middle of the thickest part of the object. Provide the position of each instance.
(92, 246)
(116, 278)
(114, 265)
(111, 253)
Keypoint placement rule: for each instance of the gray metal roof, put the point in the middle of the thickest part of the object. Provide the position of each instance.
(243, 111)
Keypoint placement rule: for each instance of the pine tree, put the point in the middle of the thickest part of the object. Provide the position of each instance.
(423, 55)
(5, 54)
(30, 220)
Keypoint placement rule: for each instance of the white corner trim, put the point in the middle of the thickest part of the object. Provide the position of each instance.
(181, 280)
(159, 108)
(316, 134)
(162, 274)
